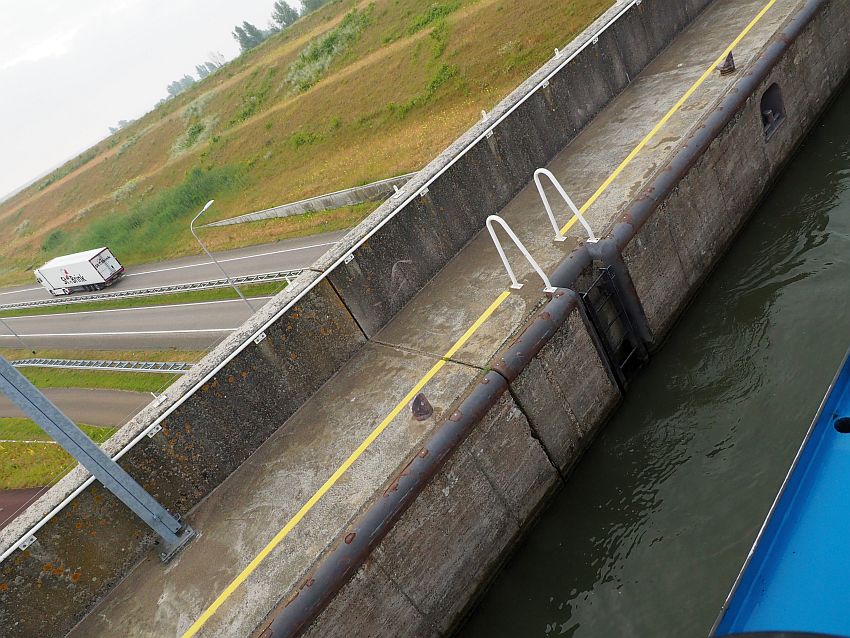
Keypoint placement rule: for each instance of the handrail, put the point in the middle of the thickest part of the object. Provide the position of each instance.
(576, 212)
(514, 283)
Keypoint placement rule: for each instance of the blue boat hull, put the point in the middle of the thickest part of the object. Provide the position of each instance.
(795, 577)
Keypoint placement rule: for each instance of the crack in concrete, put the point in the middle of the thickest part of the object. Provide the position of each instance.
(532, 429)
(426, 353)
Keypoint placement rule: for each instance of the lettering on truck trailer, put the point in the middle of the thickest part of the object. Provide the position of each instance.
(68, 278)
(101, 260)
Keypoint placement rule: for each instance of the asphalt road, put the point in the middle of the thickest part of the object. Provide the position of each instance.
(189, 326)
(93, 407)
(13, 502)
(289, 254)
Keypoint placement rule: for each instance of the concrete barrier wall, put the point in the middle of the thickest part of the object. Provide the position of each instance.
(82, 551)
(218, 414)
(439, 556)
(347, 197)
(401, 254)
(715, 191)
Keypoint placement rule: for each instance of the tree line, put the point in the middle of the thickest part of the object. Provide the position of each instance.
(283, 15)
(248, 36)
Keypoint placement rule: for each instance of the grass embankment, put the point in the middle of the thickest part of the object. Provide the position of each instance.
(352, 93)
(227, 237)
(98, 379)
(107, 355)
(35, 464)
(102, 379)
(193, 296)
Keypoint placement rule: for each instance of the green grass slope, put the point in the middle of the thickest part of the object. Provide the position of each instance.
(358, 91)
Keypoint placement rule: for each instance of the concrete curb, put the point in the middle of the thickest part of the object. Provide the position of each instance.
(346, 197)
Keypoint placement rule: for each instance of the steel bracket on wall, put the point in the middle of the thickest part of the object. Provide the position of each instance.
(65, 432)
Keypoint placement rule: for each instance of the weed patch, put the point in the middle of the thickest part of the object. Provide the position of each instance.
(443, 74)
(197, 130)
(125, 190)
(129, 143)
(256, 96)
(79, 161)
(435, 12)
(147, 229)
(24, 228)
(303, 138)
(36, 464)
(439, 38)
(313, 61)
(53, 240)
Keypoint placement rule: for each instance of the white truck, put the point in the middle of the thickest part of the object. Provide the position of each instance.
(88, 270)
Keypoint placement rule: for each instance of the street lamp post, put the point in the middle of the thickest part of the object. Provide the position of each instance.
(198, 239)
(16, 335)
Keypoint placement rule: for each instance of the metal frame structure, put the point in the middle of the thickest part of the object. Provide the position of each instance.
(165, 367)
(114, 478)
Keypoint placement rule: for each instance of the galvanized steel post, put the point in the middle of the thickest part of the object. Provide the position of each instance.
(62, 430)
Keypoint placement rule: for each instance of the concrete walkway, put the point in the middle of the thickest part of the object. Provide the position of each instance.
(269, 491)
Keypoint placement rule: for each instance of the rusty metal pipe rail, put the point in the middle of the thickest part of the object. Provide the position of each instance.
(317, 589)
(293, 616)
(642, 208)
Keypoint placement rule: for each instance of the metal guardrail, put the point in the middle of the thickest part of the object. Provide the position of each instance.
(92, 364)
(287, 275)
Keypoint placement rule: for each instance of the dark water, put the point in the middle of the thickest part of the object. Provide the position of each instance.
(650, 532)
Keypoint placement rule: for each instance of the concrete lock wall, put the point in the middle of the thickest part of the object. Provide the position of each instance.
(220, 412)
(80, 553)
(404, 253)
(445, 547)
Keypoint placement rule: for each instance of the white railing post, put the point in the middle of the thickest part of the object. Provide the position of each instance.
(514, 283)
(558, 236)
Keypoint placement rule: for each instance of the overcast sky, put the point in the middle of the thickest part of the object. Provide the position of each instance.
(69, 69)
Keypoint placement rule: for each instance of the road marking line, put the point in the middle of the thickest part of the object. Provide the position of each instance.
(112, 334)
(135, 308)
(224, 261)
(206, 263)
(17, 292)
(210, 611)
(284, 532)
(678, 105)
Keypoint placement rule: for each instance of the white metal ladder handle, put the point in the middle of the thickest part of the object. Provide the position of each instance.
(591, 237)
(514, 283)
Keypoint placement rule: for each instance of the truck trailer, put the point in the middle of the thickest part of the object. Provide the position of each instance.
(86, 271)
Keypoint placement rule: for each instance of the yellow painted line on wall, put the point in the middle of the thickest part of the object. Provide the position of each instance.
(274, 542)
(327, 485)
(678, 105)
